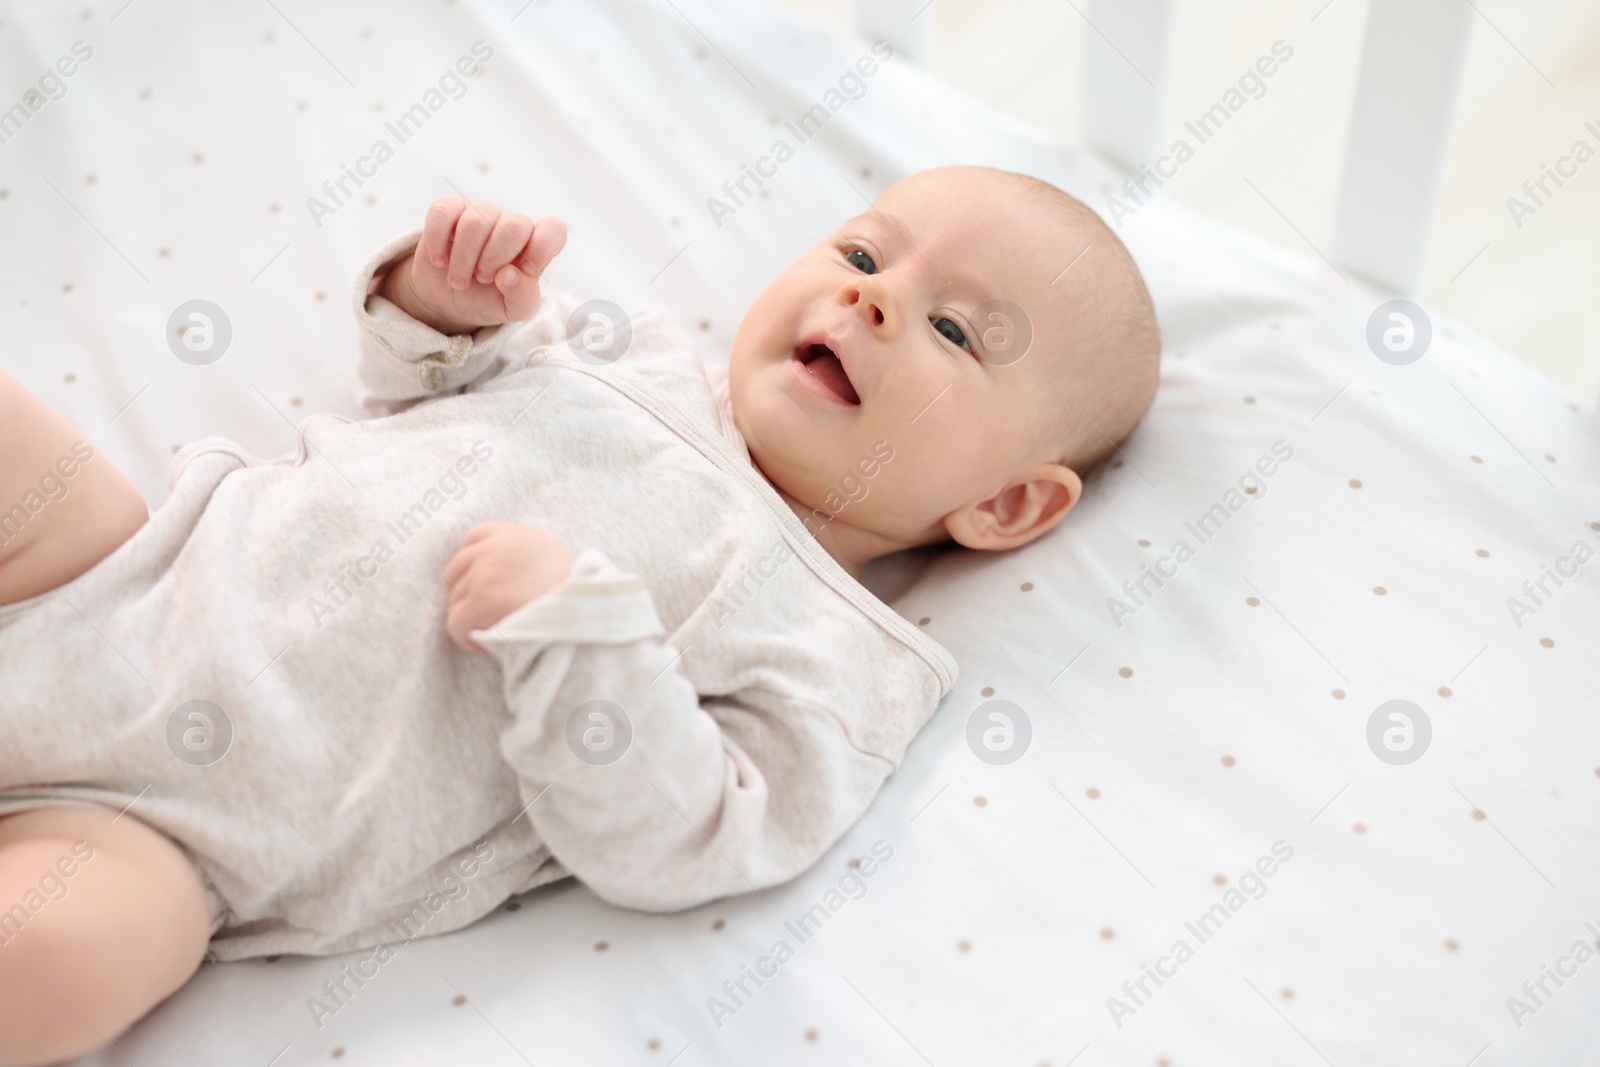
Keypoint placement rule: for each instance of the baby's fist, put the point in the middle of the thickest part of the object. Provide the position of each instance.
(499, 567)
(475, 266)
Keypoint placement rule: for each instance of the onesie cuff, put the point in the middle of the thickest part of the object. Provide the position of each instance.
(438, 357)
(598, 603)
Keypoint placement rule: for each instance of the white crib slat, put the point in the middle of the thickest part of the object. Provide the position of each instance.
(1126, 77)
(1411, 66)
(903, 23)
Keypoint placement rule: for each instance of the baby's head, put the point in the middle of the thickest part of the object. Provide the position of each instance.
(899, 336)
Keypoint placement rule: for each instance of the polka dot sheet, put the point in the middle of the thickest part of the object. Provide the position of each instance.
(1282, 749)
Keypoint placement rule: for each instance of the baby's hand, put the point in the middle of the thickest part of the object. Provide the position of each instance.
(500, 567)
(475, 266)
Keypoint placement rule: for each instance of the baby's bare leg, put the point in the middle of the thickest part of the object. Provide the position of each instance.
(85, 954)
(63, 506)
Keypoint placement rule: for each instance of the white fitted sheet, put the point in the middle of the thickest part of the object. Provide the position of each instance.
(177, 166)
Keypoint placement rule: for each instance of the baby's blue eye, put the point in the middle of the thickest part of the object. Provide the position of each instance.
(950, 332)
(861, 261)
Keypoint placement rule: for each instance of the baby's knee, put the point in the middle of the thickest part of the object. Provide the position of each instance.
(47, 999)
(99, 922)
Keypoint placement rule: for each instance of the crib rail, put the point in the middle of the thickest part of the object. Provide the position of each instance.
(1411, 64)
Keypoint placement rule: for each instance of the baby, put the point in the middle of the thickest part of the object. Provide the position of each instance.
(237, 725)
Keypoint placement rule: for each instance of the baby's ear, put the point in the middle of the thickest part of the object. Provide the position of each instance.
(1030, 505)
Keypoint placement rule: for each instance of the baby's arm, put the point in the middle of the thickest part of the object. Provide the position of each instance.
(436, 306)
(655, 796)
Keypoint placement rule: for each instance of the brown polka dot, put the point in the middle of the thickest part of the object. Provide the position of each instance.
(162, 252)
(268, 37)
(69, 377)
(601, 946)
(853, 862)
(1106, 933)
(1592, 525)
(1452, 945)
(513, 906)
(1249, 400)
(1477, 459)
(653, 1044)
(866, 172)
(717, 924)
(295, 401)
(1360, 828)
(1143, 543)
(337, 1053)
(1162, 1061)
(963, 946)
(88, 179)
(458, 1000)
(66, 287)
(981, 801)
(705, 325)
(1250, 489)
(1286, 993)
(1380, 590)
(1027, 587)
(1252, 601)
(1219, 879)
(1355, 483)
(1272, 326)
(1228, 761)
(924, 621)
(272, 208)
(1481, 553)
(275, 959)
(144, 94)
(811, 1033)
(1116, 464)
(1549, 457)
(1478, 815)
(1126, 672)
(320, 297)
(199, 158)
(483, 168)
(1338, 694)
(1546, 642)
(1444, 690)
(988, 690)
(1094, 794)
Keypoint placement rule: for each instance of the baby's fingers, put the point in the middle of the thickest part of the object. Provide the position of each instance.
(437, 227)
(472, 233)
(510, 234)
(519, 281)
(548, 239)
(462, 619)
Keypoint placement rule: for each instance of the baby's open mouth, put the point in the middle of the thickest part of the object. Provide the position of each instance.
(822, 364)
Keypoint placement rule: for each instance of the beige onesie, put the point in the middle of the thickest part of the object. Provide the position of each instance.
(262, 673)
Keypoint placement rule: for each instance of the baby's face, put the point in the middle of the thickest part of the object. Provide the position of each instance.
(871, 346)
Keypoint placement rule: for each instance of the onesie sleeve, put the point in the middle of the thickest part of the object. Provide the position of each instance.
(403, 361)
(653, 796)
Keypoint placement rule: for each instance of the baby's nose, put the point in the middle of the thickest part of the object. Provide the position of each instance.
(872, 309)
